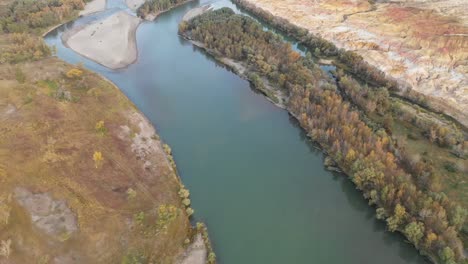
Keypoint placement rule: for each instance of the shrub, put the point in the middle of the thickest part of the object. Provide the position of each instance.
(131, 193)
(97, 157)
(19, 75)
(74, 73)
(100, 128)
(166, 214)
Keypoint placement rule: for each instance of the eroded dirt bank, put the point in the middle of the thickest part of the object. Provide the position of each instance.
(423, 45)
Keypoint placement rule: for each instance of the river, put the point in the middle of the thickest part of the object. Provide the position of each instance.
(255, 179)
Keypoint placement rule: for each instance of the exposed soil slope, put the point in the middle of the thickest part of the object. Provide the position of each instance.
(422, 44)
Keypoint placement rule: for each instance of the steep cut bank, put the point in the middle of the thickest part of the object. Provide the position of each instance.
(367, 154)
(422, 45)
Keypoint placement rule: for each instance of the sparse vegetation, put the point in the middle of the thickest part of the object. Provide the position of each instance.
(166, 215)
(139, 218)
(202, 229)
(131, 194)
(97, 157)
(56, 108)
(100, 128)
(19, 75)
(134, 258)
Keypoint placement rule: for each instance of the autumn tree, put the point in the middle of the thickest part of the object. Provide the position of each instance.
(414, 231)
(97, 158)
(447, 256)
(74, 73)
(100, 127)
(328, 113)
(397, 218)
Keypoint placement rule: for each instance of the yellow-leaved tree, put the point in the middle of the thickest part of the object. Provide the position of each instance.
(74, 73)
(97, 157)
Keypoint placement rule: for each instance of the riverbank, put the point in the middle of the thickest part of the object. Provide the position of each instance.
(275, 96)
(148, 12)
(110, 42)
(89, 8)
(134, 4)
(93, 7)
(246, 144)
(196, 12)
(238, 68)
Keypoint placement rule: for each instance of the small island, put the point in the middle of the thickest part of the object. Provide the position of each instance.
(110, 42)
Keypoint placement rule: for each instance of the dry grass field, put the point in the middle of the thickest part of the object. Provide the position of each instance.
(103, 208)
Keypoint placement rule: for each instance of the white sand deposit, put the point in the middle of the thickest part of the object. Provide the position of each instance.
(110, 41)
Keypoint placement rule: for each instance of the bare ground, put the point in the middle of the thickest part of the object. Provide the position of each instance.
(422, 44)
(110, 42)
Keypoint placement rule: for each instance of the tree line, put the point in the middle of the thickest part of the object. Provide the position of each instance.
(24, 47)
(353, 63)
(377, 100)
(427, 218)
(157, 6)
(27, 16)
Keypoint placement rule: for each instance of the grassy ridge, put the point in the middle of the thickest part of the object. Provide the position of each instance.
(69, 133)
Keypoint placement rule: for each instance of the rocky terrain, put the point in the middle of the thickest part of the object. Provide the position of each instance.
(422, 44)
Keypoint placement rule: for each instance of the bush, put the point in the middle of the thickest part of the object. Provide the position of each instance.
(100, 128)
(97, 157)
(134, 258)
(74, 73)
(19, 75)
